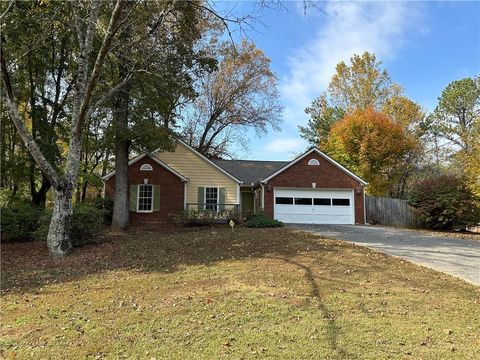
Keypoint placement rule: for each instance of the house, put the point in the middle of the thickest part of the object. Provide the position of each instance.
(312, 188)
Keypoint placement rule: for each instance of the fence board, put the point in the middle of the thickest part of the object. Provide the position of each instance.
(391, 212)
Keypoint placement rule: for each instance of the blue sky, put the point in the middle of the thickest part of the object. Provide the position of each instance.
(423, 45)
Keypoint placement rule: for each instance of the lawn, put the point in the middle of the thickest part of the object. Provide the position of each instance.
(209, 293)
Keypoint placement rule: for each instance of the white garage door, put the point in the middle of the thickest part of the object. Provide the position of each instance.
(314, 206)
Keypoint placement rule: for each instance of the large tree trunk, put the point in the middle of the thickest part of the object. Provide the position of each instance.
(58, 239)
(121, 211)
(121, 208)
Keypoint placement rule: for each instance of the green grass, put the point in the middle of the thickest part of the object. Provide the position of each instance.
(253, 294)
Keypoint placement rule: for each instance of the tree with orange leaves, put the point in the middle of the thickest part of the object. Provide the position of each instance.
(381, 151)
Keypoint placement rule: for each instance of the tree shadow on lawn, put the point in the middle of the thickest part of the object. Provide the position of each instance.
(328, 266)
(27, 266)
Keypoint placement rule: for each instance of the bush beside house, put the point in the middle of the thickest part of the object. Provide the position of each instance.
(446, 202)
(20, 221)
(262, 221)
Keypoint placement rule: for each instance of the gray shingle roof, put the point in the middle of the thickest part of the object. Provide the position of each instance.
(250, 171)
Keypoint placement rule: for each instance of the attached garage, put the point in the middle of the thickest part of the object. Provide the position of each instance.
(314, 206)
(314, 189)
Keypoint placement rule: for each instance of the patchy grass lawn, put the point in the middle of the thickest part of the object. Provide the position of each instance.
(207, 294)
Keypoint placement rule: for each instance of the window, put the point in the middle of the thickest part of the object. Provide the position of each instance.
(313, 162)
(341, 202)
(322, 201)
(284, 200)
(303, 201)
(211, 198)
(145, 198)
(146, 167)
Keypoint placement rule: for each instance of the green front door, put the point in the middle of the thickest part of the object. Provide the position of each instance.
(247, 203)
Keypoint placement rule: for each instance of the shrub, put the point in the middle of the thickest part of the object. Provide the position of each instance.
(87, 223)
(106, 205)
(445, 202)
(262, 221)
(19, 220)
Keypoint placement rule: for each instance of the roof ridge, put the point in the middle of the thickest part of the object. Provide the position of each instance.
(251, 160)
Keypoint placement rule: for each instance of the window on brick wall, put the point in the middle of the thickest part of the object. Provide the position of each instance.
(145, 198)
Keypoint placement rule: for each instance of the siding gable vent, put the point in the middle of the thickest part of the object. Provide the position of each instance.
(146, 167)
(313, 162)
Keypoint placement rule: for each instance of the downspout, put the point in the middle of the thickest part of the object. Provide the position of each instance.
(263, 197)
(185, 184)
(364, 208)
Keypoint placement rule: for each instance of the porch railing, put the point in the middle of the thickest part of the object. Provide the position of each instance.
(212, 207)
(213, 212)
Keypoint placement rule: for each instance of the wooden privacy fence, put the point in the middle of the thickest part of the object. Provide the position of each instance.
(391, 212)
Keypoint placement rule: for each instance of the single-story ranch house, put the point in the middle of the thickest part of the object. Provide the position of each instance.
(312, 188)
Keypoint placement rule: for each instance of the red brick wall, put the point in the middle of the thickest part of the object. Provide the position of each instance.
(171, 190)
(326, 176)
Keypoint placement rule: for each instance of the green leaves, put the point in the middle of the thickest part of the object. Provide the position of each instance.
(322, 117)
(457, 112)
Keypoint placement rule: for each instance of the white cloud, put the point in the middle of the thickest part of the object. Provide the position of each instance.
(347, 28)
(285, 145)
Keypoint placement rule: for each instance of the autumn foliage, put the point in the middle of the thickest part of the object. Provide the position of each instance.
(372, 145)
(445, 202)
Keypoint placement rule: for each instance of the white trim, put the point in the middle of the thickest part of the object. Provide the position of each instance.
(185, 185)
(158, 161)
(239, 197)
(146, 167)
(364, 208)
(313, 162)
(207, 160)
(326, 157)
(353, 207)
(138, 199)
(262, 202)
(205, 196)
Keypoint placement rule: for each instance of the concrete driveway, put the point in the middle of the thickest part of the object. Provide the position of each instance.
(457, 257)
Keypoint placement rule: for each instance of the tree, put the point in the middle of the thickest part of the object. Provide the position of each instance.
(457, 111)
(322, 117)
(85, 17)
(456, 119)
(40, 86)
(160, 69)
(403, 111)
(361, 84)
(241, 94)
(358, 86)
(379, 150)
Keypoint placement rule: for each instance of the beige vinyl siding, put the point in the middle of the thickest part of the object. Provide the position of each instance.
(199, 172)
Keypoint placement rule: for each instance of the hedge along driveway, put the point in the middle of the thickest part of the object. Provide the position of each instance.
(213, 294)
(457, 257)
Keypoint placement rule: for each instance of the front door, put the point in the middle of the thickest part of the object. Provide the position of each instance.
(247, 203)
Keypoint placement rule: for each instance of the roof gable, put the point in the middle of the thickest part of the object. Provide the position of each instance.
(157, 161)
(207, 161)
(324, 156)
